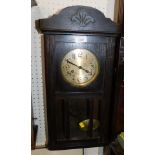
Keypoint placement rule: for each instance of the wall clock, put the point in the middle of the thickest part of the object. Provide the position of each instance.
(81, 57)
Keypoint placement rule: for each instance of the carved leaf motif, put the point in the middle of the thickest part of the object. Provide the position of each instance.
(82, 18)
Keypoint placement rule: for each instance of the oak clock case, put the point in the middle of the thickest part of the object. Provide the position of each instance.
(80, 48)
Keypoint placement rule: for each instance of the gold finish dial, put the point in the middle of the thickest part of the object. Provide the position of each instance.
(79, 67)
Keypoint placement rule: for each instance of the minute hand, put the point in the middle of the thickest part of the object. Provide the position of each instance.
(72, 63)
(80, 67)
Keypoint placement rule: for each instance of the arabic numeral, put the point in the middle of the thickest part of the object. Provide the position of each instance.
(86, 77)
(93, 65)
(72, 71)
(68, 73)
(73, 56)
(80, 54)
(86, 56)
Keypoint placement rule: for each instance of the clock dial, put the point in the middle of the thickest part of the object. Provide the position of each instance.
(79, 67)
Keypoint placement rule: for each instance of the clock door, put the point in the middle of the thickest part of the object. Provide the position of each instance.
(76, 113)
(78, 119)
(79, 66)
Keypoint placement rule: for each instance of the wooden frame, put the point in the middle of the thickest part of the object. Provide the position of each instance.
(119, 14)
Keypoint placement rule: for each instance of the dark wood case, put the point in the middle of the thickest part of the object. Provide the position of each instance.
(87, 28)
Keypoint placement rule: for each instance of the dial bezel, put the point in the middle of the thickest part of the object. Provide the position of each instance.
(84, 84)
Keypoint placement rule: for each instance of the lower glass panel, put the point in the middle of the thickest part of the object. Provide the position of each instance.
(77, 119)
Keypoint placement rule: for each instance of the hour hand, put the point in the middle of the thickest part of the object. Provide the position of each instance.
(87, 71)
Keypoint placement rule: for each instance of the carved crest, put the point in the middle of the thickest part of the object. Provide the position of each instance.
(82, 18)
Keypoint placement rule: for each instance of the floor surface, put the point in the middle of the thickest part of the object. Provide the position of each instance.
(62, 152)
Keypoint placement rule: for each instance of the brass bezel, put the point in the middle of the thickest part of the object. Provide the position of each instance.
(85, 83)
